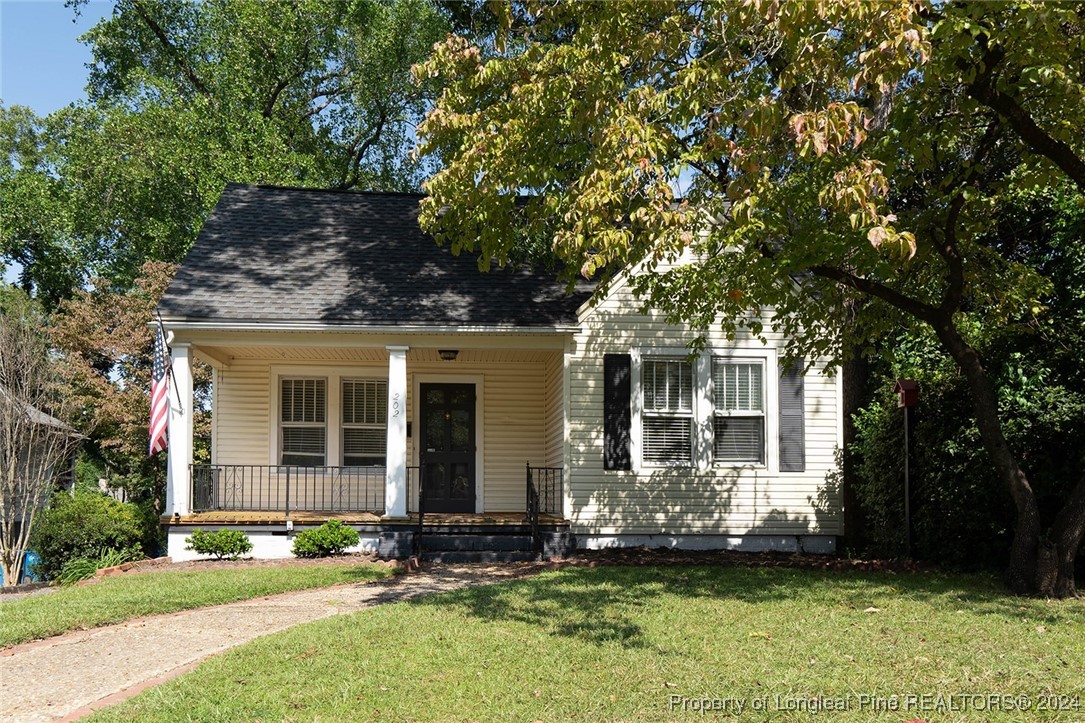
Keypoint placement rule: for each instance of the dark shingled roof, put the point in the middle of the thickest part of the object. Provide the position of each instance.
(298, 255)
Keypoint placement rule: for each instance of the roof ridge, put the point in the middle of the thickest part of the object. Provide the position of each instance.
(344, 191)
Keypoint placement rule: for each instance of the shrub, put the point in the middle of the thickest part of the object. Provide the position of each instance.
(331, 538)
(83, 567)
(223, 544)
(154, 536)
(82, 526)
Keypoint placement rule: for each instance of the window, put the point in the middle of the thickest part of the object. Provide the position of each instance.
(739, 411)
(302, 429)
(667, 385)
(365, 420)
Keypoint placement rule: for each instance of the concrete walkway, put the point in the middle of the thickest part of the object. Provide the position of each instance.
(71, 675)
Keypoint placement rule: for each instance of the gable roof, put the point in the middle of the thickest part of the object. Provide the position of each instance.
(291, 255)
(35, 415)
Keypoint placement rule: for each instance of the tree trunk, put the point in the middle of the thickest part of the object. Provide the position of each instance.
(1066, 536)
(854, 377)
(12, 570)
(1027, 557)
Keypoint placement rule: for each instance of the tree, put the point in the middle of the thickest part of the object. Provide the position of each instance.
(859, 148)
(959, 519)
(36, 443)
(184, 97)
(107, 342)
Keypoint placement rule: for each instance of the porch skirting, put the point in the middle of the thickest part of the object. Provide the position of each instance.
(272, 533)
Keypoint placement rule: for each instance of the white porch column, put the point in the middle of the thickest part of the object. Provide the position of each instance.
(179, 448)
(395, 480)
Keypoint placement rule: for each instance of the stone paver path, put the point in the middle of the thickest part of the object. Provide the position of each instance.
(70, 675)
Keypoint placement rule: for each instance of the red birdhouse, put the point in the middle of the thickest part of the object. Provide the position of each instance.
(907, 392)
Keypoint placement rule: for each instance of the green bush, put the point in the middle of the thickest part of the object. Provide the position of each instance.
(331, 538)
(82, 527)
(223, 544)
(83, 567)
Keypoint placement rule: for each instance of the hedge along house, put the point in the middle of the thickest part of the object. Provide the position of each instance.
(362, 373)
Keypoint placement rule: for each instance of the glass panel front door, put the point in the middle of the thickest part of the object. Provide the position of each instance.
(448, 447)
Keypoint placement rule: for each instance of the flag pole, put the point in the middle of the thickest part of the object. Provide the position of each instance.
(169, 362)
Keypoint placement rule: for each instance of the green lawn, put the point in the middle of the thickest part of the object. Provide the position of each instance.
(632, 643)
(115, 599)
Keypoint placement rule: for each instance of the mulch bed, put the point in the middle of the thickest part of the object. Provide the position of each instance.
(642, 556)
(352, 559)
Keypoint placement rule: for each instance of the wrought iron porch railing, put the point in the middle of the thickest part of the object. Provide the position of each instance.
(544, 495)
(286, 488)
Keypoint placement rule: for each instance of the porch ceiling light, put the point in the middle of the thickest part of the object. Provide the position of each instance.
(448, 354)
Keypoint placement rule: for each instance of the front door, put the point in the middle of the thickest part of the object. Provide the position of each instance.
(448, 447)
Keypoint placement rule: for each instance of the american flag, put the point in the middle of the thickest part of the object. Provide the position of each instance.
(159, 393)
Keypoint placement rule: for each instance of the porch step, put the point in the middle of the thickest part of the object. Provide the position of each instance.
(461, 543)
(478, 556)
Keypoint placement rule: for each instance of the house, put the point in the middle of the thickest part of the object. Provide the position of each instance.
(363, 373)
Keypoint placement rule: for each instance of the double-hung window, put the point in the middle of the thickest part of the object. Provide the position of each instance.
(365, 420)
(302, 421)
(738, 392)
(667, 418)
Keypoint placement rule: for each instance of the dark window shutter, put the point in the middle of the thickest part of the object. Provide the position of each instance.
(792, 434)
(616, 414)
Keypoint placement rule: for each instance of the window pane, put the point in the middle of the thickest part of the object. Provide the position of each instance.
(739, 439)
(668, 439)
(303, 445)
(303, 400)
(365, 401)
(362, 447)
(737, 386)
(667, 385)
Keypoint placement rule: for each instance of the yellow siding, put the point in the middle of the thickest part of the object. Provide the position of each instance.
(518, 417)
(242, 413)
(672, 501)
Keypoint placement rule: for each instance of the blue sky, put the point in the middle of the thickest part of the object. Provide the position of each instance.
(42, 63)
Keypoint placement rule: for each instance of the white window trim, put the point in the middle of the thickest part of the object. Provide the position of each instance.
(660, 355)
(333, 415)
(280, 424)
(703, 408)
(766, 403)
(344, 425)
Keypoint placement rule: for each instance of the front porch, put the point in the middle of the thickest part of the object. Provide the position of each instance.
(347, 425)
(272, 503)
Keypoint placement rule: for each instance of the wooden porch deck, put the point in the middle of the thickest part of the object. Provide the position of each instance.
(435, 519)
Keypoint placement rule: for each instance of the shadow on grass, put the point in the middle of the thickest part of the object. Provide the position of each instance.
(601, 605)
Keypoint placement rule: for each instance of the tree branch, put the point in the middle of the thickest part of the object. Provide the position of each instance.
(170, 48)
(360, 148)
(951, 299)
(984, 89)
(891, 296)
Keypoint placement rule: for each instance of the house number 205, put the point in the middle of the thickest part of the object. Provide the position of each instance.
(395, 404)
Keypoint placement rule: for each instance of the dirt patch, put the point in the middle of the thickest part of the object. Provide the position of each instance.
(18, 592)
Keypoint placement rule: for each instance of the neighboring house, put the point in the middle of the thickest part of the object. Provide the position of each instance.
(353, 358)
(32, 426)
